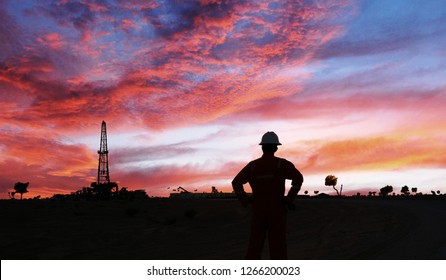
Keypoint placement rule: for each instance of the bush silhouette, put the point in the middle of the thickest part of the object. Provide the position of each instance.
(385, 190)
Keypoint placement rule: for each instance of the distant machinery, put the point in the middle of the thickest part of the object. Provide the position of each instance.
(214, 194)
(182, 190)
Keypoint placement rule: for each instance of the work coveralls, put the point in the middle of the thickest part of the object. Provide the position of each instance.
(266, 177)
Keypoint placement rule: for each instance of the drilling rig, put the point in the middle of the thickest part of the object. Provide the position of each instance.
(103, 172)
(103, 188)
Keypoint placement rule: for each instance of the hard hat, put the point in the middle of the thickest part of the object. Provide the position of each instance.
(270, 138)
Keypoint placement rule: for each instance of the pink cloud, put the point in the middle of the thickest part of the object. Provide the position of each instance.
(219, 62)
(52, 40)
(128, 23)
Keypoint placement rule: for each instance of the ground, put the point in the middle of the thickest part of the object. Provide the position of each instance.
(320, 228)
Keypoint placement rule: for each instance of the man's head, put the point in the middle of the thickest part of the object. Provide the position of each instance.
(269, 142)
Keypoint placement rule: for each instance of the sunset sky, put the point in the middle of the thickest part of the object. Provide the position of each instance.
(187, 88)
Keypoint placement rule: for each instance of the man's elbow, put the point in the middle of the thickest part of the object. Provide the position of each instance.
(297, 182)
(236, 185)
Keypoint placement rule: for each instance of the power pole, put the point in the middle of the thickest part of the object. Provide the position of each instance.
(103, 173)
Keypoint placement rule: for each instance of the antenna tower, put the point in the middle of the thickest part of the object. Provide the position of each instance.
(103, 173)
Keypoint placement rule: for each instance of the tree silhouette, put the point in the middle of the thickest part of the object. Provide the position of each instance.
(405, 190)
(385, 190)
(21, 188)
(414, 190)
(332, 180)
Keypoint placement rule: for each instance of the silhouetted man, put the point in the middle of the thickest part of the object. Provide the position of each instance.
(266, 176)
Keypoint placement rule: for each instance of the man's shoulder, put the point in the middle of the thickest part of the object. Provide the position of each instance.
(252, 163)
(285, 162)
(260, 159)
(283, 159)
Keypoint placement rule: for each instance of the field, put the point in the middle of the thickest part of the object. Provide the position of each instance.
(320, 228)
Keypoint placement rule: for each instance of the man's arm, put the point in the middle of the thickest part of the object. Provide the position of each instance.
(237, 184)
(296, 183)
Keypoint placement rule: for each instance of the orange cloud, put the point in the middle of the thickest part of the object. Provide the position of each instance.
(393, 152)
